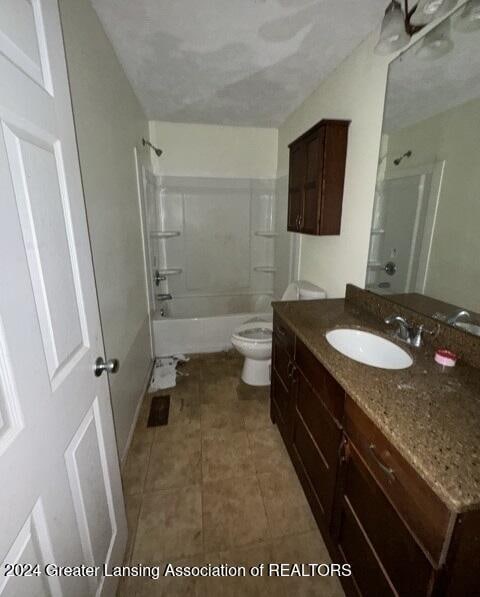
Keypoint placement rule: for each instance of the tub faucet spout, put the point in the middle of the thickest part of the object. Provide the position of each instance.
(164, 297)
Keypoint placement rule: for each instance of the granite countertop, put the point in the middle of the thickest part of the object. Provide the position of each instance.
(432, 416)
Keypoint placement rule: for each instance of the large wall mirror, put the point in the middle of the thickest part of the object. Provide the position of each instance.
(425, 236)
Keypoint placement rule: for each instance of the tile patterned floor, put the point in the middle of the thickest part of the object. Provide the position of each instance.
(216, 486)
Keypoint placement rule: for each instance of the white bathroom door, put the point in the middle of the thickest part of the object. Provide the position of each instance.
(61, 501)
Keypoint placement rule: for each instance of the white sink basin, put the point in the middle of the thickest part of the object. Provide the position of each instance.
(471, 328)
(369, 349)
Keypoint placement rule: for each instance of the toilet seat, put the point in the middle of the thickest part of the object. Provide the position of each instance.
(257, 332)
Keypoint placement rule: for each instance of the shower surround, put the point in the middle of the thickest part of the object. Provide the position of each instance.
(211, 244)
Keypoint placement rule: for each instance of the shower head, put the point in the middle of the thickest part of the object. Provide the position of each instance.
(407, 154)
(157, 151)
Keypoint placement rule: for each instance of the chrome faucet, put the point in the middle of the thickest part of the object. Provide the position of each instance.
(164, 297)
(407, 332)
(454, 318)
(404, 328)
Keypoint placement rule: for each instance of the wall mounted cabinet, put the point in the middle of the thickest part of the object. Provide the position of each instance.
(316, 178)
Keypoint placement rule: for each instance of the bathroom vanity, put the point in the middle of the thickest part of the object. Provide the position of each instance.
(388, 460)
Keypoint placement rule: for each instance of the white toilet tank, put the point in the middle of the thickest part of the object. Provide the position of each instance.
(304, 291)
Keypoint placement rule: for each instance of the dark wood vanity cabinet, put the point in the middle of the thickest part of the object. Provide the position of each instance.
(373, 509)
(316, 177)
(307, 404)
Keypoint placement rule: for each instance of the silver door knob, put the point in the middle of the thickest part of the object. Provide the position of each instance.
(110, 366)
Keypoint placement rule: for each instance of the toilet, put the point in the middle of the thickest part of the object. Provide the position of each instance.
(253, 339)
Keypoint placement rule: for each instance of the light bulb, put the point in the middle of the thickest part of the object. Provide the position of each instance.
(393, 36)
(429, 10)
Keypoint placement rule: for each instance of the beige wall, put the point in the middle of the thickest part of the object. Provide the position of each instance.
(454, 273)
(354, 91)
(109, 123)
(214, 151)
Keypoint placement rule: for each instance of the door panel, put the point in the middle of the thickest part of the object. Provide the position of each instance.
(32, 545)
(22, 39)
(11, 420)
(46, 228)
(314, 174)
(295, 185)
(91, 490)
(58, 458)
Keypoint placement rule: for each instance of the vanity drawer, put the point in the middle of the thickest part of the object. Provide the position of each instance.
(329, 390)
(420, 508)
(283, 335)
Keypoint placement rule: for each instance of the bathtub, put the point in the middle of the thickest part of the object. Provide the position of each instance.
(204, 323)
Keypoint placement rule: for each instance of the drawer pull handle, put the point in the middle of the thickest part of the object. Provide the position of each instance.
(386, 469)
(290, 369)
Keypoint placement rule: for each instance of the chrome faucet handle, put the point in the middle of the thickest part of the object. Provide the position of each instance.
(416, 338)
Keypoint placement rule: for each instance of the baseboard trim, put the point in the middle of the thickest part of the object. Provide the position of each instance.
(141, 398)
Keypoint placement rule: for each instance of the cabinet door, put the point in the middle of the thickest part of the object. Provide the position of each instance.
(333, 177)
(372, 538)
(281, 390)
(295, 185)
(314, 145)
(315, 443)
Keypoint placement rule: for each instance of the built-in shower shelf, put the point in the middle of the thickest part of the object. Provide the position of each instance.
(164, 233)
(265, 269)
(266, 233)
(170, 271)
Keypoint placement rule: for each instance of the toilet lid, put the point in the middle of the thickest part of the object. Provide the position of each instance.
(258, 331)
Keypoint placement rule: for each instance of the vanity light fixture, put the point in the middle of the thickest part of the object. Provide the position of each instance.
(397, 28)
(469, 19)
(436, 42)
(427, 11)
(393, 34)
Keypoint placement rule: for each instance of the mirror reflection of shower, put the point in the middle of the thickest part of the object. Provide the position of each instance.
(404, 214)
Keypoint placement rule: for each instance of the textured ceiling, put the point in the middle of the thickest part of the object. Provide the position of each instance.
(419, 89)
(239, 62)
